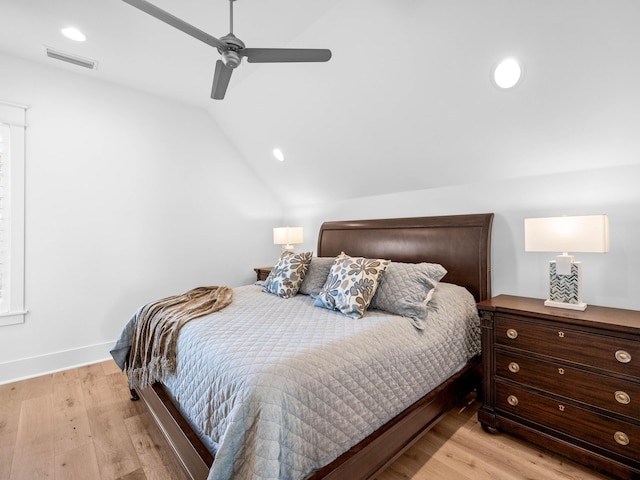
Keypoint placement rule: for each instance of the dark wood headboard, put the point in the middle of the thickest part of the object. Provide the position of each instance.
(460, 243)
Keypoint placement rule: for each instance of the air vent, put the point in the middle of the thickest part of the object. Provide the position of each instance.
(66, 57)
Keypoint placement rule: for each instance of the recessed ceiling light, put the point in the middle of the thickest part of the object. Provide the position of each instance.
(507, 73)
(74, 34)
(278, 154)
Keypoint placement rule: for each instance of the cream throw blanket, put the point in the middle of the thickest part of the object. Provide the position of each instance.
(153, 349)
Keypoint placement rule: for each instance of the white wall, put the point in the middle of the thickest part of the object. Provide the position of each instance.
(611, 279)
(129, 198)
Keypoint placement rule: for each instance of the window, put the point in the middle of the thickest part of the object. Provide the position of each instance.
(12, 162)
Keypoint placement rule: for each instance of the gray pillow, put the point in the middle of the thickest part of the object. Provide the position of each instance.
(405, 288)
(317, 274)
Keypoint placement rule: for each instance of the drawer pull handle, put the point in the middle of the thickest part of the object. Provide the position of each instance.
(561, 334)
(514, 367)
(622, 397)
(623, 357)
(621, 438)
(512, 400)
(512, 333)
(561, 371)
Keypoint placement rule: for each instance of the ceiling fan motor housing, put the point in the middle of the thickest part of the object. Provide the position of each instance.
(230, 56)
(231, 59)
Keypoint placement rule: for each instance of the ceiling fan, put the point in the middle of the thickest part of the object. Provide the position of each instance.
(231, 48)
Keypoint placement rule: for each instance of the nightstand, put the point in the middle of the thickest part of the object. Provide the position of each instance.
(262, 272)
(566, 380)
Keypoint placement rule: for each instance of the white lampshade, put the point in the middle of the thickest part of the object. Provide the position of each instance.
(586, 233)
(287, 235)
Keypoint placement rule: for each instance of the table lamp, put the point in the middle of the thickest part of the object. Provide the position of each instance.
(287, 237)
(576, 234)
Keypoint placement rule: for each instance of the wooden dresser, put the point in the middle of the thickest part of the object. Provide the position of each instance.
(566, 380)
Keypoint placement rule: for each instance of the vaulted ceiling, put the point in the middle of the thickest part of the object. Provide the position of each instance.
(405, 103)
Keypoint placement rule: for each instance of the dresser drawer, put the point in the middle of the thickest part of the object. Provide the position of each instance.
(613, 435)
(619, 355)
(611, 394)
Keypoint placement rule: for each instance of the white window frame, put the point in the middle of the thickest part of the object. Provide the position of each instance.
(13, 119)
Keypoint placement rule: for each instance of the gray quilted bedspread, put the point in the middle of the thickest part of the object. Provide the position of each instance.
(279, 388)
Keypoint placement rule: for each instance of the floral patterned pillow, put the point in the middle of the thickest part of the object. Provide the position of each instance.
(287, 275)
(351, 284)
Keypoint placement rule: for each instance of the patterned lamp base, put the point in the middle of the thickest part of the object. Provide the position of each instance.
(565, 291)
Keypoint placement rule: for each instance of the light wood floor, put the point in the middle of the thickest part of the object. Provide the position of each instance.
(81, 425)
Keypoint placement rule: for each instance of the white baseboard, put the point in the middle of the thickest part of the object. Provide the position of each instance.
(24, 368)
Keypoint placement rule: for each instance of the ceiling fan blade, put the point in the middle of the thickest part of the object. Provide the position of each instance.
(220, 80)
(181, 25)
(273, 55)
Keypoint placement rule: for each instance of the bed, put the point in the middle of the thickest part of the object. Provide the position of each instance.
(460, 243)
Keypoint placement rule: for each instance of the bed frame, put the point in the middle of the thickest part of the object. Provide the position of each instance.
(462, 244)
